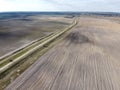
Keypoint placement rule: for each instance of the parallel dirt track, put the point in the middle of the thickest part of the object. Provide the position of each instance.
(87, 59)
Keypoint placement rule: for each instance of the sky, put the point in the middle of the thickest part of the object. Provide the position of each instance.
(60, 5)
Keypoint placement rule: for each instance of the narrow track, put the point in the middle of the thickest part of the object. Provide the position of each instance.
(87, 59)
(19, 55)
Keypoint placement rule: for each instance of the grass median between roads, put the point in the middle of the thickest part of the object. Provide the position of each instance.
(17, 57)
(20, 52)
(16, 69)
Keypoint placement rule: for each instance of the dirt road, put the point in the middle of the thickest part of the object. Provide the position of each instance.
(87, 59)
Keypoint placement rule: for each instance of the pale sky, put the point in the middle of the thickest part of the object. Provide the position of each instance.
(60, 5)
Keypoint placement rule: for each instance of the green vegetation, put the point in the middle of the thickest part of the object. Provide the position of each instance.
(20, 67)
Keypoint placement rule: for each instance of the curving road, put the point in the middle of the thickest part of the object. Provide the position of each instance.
(87, 59)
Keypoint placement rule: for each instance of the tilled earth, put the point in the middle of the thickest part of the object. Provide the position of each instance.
(87, 59)
(17, 32)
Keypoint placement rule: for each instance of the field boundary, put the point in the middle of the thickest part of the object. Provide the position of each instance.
(48, 39)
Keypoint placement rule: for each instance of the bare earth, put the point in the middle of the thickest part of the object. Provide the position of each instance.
(87, 59)
(17, 32)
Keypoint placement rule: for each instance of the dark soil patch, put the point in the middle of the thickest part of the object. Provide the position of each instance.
(78, 38)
